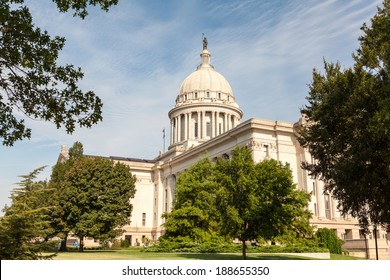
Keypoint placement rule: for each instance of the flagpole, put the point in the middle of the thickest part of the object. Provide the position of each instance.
(163, 140)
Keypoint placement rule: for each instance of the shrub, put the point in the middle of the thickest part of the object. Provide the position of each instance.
(327, 238)
(185, 245)
(125, 243)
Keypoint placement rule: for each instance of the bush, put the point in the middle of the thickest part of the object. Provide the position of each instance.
(328, 239)
(125, 244)
(185, 245)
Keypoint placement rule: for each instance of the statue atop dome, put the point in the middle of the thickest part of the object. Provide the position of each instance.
(204, 42)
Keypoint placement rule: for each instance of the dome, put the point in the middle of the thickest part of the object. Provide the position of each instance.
(205, 106)
(205, 84)
(205, 78)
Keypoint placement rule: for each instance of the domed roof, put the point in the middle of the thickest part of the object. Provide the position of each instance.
(205, 78)
(205, 85)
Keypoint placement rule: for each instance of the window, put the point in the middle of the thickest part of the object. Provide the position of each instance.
(266, 149)
(196, 130)
(208, 94)
(208, 129)
(315, 210)
(314, 188)
(219, 95)
(196, 95)
(143, 219)
(327, 206)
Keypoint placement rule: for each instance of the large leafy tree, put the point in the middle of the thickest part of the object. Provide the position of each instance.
(259, 200)
(346, 126)
(31, 80)
(24, 228)
(58, 217)
(94, 197)
(194, 213)
(238, 198)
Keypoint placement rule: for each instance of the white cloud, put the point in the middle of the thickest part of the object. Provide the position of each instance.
(136, 56)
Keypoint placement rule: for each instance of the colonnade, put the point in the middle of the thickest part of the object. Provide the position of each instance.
(201, 124)
(322, 206)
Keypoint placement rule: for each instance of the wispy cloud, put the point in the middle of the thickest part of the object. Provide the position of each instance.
(136, 56)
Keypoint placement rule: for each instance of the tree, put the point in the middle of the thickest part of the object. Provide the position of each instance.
(24, 227)
(328, 238)
(346, 126)
(32, 82)
(258, 200)
(194, 213)
(94, 197)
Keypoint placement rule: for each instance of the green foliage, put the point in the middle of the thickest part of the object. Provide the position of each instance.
(194, 214)
(25, 227)
(80, 6)
(186, 245)
(92, 194)
(95, 197)
(328, 239)
(31, 80)
(235, 198)
(346, 126)
(259, 200)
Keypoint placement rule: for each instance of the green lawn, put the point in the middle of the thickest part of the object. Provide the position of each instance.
(133, 254)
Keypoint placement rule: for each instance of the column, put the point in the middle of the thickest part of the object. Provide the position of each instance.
(320, 201)
(185, 126)
(172, 131)
(198, 119)
(190, 126)
(335, 211)
(203, 126)
(177, 128)
(225, 128)
(216, 123)
(212, 124)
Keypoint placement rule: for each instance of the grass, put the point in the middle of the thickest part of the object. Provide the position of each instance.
(136, 254)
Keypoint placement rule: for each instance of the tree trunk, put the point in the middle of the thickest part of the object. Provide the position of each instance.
(63, 243)
(81, 245)
(244, 249)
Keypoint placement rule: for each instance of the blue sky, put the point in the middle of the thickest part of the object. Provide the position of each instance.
(136, 56)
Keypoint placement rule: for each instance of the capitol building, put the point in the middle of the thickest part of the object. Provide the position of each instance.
(206, 118)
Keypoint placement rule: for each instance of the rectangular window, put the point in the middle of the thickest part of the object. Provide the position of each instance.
(314, 188)
(266, 150)
(208, 129)
(327, 206)
(315, 210)
(143, 219)
(196, 130)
